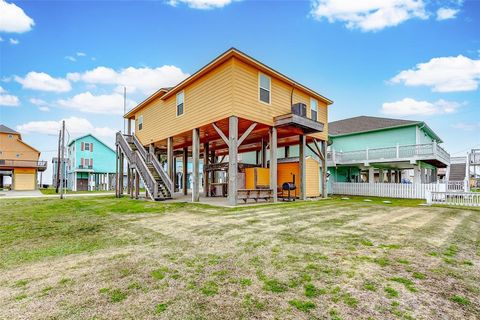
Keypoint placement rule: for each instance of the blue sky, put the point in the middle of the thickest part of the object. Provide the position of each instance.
(409, 59)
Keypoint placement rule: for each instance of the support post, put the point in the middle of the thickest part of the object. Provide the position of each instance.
(129, 126)
(232, 160)
(196, 160)
(117, 174)
(264, 154)
(122, 158)
(273, 162)
(287, 151)
(324, 171)
(303, 171)
(137, 184)
(371, 175)
(170, 157)
(129, 180)
(381, 176)
(185, 170)
(206, 184)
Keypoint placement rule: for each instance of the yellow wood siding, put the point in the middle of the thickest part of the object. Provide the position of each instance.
(24, 179)
(207, 100)
(229, 89)
(247, 105)
(10, 147)
(285, 172)
(312, 168)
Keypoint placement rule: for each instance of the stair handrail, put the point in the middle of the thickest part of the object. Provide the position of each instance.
(122, 142)
(148, 179)
(140, 147)
(163, 175)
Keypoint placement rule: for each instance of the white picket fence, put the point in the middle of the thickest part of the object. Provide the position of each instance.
(388, 190)
(468, 199)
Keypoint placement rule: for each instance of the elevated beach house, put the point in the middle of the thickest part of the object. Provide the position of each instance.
(18, 160)
(233, 105)
(91, 164)
(382, 150)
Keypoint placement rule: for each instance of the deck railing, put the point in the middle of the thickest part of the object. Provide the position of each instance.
(40, 165)
(467, 199)
(397, 153)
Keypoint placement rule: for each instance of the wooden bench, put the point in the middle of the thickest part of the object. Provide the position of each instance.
(255, 194)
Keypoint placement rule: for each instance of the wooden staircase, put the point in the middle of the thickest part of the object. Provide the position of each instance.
(159, 186)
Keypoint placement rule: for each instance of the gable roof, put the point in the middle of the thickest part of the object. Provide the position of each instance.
(363, 124)
(164, 93)
(91, 135)
(5, 129)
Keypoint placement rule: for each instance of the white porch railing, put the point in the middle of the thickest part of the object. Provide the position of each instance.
(467, 199)
(388, 190)
(427, 151)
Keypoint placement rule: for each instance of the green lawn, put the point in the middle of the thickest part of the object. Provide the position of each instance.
(107, 258)
(52, 191)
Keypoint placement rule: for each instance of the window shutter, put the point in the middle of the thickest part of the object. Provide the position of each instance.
(81, 159)
(82, 146)
(91, 147)
(91, 162)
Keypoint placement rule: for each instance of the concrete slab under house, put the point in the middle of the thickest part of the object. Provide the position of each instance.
(232, 122)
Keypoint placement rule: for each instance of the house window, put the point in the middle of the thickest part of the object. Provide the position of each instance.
(140, 123)
(313, 109)
(10, 136)
(87, 146)
(17, 155)
(180, 103)
(264, 83)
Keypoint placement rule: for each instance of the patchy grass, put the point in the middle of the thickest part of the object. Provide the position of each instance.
(102, 257)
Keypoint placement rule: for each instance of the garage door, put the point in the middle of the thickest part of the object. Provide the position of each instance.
(24, 181)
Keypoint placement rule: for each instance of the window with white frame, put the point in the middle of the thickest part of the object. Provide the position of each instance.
(313, 109)
(264, 87)
(180, 103)
(140, 123)
(87, 146)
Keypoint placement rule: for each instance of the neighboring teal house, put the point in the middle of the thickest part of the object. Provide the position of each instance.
(373, 149)
(91, 164)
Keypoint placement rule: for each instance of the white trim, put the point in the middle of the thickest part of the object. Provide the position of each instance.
(269, 89)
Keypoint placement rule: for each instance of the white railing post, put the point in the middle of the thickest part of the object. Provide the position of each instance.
(398, 151)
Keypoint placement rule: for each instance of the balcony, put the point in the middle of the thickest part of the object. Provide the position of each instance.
(85, 167)
(430, 153)
(10, 164)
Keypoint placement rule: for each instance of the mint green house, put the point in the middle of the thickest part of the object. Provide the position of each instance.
(373, 149)
(91, 164)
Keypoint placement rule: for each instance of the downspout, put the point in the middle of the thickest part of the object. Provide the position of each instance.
(291, 96)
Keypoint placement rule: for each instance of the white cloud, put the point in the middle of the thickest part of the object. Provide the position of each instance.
(146, 80)
(37, 102)
(467, 126)
(106, 104)
(9, 100)
(410, 107)
(371, 15)
(43, 82)
(73, 59)
(201, 4)
(446, 13)
(81, 54)
(75, 126)
(445, 74)
(13, 41)
(13, 18)
(44, 109)
(2, 90)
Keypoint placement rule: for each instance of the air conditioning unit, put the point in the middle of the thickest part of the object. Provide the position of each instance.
(300, 109)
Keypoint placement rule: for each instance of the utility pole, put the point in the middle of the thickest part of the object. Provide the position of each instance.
(124, 106)
(57, 180)
(61, 159)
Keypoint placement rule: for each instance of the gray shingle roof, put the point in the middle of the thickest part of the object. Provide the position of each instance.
(364, 124)
(6, 129)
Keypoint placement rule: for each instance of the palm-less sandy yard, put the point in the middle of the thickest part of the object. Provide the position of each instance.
(105, 258)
